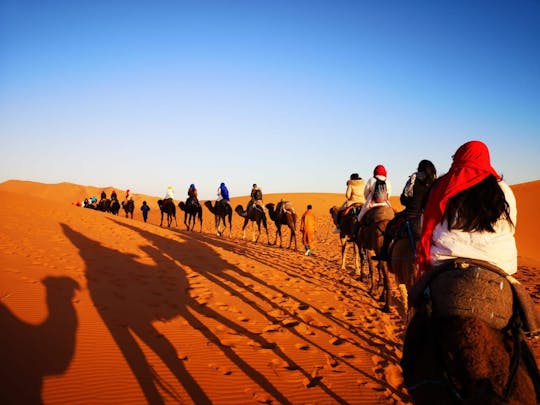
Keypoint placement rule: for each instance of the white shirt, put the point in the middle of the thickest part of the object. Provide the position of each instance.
(169, 193)
(497, 248)
(368, 193)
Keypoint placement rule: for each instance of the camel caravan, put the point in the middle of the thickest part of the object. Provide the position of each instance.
(451, 253)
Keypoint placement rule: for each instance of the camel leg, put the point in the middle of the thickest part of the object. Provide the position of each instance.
(343, 253)
(357, 260)
(256, 234)
(244, 229)
(217, 221)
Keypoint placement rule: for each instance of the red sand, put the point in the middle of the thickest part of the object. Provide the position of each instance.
(166, 315)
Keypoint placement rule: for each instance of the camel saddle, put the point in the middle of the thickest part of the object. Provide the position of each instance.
(475, 288)
(378, 214)
(350, 207)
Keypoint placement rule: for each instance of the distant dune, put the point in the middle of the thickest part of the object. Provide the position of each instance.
(98, 309)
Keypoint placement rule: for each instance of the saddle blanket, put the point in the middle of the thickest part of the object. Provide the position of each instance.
(379, 214)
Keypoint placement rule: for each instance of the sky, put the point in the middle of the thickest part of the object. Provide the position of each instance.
(292, 95)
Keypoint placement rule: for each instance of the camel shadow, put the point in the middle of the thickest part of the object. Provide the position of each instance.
(30, 352)
(189, 253)
(120, 286)
(212, 271)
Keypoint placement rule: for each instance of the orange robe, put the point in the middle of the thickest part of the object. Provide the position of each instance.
(307, 227)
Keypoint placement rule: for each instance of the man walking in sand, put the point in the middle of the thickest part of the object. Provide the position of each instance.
(307, 227)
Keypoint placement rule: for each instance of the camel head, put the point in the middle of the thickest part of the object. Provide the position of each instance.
(61, 286)
(271, 211)
(208, 204)
(240, 210)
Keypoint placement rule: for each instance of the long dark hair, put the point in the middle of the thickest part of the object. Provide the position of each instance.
(428, 168)
(478, 208)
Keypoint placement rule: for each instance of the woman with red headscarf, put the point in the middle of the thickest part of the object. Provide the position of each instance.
(371, 191)
(470, 213)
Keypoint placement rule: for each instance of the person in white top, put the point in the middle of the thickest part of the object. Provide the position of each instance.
(470, 213)
(169, 193)
(377, 191)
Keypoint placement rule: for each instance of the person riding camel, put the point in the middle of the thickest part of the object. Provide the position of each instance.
(470, 213)
(128, 196)
(354, 197)
(413, 198)
(103, 195)
(169, 194)
(377, 191)
(113, 196)
(222, 195)
(256, 198)
(192, 195)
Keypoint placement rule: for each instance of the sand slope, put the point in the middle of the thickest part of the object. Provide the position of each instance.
(103, 309)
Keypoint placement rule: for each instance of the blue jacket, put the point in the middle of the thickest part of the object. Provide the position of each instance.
(224, 192)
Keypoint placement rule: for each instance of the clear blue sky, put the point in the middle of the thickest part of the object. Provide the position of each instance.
(292, 95)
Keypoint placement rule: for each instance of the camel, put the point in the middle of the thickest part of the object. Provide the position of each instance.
(402, 265)
(167, 207)
(457, 359)
(129, 207)
(191, 213)
(280, 216)
(29, 352)
(115, 207)
(347, 235)
(370, 237)
(255, 214)
(221, 212)
(104, 205)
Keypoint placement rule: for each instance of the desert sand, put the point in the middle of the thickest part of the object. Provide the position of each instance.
(103, 309)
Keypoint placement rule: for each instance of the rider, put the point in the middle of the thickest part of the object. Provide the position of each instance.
(128, 196)
(354, 195)
(169, 194)
(374, 197)
(413, 198)
(113, 195)
(470, 213)
(192, 195)
(256, 197)
(103, 195)
(222, 194)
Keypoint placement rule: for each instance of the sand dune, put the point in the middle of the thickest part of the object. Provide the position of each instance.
(101, 309)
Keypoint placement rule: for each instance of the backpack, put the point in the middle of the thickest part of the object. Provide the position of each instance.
(380, 194)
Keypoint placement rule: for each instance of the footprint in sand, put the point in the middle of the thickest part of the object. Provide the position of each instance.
(221, 369)
(258, 396)
(336, 341)
(272, 328)
(289, 323)
(331, 361)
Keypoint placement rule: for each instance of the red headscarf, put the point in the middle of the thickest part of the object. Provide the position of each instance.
(471, 165)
